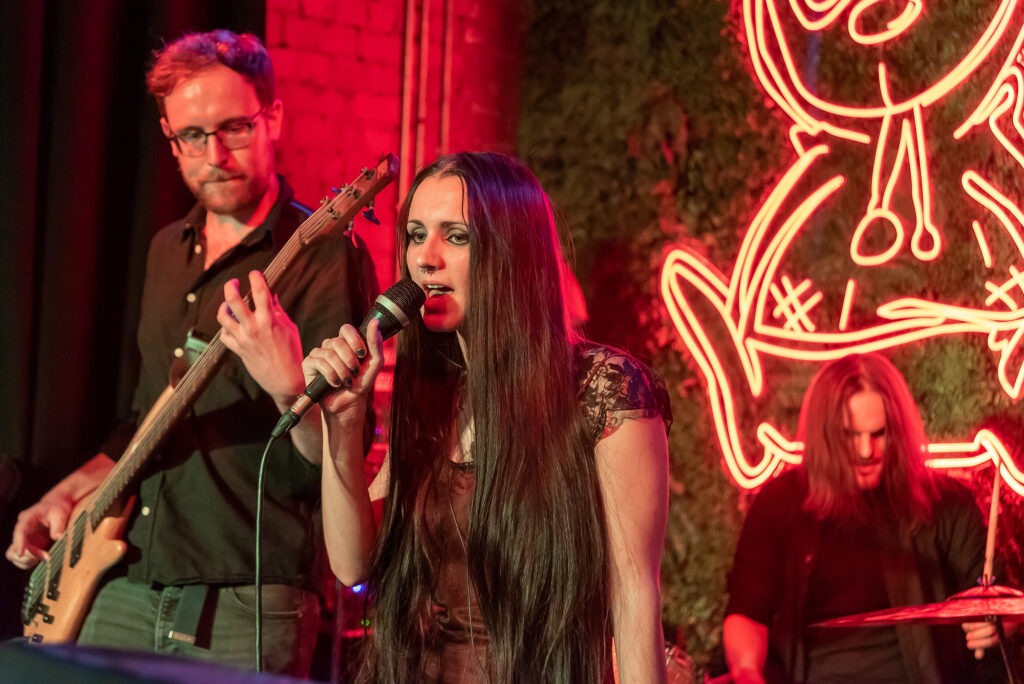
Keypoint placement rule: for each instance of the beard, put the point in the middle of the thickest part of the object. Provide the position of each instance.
(228, 193)
(230, 198)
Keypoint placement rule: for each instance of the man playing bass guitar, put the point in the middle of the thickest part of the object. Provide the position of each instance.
(186, 584)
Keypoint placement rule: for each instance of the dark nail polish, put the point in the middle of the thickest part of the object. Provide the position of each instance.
(360, 353)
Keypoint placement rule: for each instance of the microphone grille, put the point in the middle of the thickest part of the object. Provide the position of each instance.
(397, 305)
(407, 296)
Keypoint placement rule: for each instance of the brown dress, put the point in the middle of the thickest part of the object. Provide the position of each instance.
(458, 645)
(613, 387)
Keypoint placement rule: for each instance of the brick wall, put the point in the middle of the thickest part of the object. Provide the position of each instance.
(345, 68)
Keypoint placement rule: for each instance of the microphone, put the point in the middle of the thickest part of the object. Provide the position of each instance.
(395, 308)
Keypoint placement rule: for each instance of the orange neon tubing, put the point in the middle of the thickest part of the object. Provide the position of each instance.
(730, 322)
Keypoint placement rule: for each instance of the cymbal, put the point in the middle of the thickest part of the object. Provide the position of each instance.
(972, 605)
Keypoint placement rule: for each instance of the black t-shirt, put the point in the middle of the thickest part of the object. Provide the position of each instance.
(778, 550)
(847, 578)
(194, 521)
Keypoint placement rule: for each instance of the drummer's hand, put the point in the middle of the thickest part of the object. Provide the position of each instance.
(980, 635)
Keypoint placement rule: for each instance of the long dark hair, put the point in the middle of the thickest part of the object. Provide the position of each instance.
(832, 487)
(536, 544)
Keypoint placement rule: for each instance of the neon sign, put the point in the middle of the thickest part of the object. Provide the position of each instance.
(777, 304)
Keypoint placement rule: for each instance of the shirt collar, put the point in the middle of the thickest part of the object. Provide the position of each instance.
(195, 219)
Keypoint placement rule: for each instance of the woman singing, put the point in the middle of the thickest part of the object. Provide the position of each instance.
(525, 488)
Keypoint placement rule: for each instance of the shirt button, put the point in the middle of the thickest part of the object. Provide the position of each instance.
(179, 352)
(198, 249)
(190, 298)
(145, 510)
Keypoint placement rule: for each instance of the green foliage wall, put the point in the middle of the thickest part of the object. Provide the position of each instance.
(643, 122)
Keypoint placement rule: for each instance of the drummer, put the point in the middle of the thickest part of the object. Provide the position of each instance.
(861, 525)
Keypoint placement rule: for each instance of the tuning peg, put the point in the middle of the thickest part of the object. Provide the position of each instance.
(370, 216)
(329, 208)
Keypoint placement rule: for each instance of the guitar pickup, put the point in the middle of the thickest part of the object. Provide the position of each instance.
(77, 539)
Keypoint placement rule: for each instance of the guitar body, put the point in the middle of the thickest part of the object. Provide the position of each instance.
(70, 586)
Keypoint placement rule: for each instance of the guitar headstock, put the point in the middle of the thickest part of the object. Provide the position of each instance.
(343, 207)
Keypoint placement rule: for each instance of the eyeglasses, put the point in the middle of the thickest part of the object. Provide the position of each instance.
(233, 135)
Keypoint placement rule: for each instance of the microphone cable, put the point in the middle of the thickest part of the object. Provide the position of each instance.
(257, 580)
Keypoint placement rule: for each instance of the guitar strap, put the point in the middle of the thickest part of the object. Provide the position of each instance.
(190, 608)
(193, 596)
(185, 356)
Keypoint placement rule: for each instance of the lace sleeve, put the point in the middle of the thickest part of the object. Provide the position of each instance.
(616, 387)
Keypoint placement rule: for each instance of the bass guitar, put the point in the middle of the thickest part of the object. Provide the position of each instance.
(61, 588)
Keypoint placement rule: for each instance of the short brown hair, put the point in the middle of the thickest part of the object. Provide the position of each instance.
(195, 52)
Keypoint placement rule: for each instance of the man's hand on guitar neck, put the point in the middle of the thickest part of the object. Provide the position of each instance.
(267, 341)
(264, 337)
(39, 525)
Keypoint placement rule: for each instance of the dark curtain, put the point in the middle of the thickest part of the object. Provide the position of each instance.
(85, 180)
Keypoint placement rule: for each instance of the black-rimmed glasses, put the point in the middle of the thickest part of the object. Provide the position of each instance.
(233, 135)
